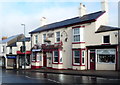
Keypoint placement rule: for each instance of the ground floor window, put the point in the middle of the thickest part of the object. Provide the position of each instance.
(76, 57)
(33, 56)
(83, 57)
(57, 56)
(106, 56)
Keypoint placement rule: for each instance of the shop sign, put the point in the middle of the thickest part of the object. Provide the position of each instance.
(107, 51)
(11, 57)
(34, 50)
(50, 35)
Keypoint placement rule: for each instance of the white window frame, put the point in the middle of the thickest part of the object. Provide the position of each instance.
(74, 57)
(55, 56)
(76, 34)
(103, 39)
(57, 37)
(60, 55)
(97, 59)
(10, 50)
(44, 38)
(36, 39)
(83, 56)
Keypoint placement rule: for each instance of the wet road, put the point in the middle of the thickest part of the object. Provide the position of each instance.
(21, 77)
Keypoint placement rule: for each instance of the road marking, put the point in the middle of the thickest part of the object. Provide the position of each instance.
(34, 78)
(53, 81)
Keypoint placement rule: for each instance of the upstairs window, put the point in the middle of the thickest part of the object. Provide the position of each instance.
(106, 39)
(36, 39)
(76, 35)
(44, 38)
(57, 36)
(10, 50)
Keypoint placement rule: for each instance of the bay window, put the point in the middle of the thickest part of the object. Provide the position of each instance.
(76, 57)
(83, 57)
(56, 56)
(76, 35)
(57, 36)
(33, 56)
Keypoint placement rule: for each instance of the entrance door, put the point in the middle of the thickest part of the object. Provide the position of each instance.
(44, 59)
(92, 59)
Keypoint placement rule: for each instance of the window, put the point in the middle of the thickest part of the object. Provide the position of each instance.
(106, 39)
(33, 56)
(57, 36)
(36, 39)
(76, 35)
(3, 49)
(56, 56)
(61, 57)
(106, 56)
(76, 57)
(83, 57)
(44, 38)
(10, 50)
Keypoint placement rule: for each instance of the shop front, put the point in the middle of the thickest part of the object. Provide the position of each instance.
(52, 56)
(36, 57)
(24, 59)
(102, 58)
(11, 61)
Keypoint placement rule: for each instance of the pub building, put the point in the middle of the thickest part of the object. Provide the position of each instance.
(84, 42)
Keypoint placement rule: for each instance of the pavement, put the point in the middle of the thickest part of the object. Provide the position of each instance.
(94, 73)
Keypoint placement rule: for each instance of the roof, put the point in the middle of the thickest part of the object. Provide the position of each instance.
(12, 45)
(10, 38)
(103, 28)
(84, 19)
(26, 39)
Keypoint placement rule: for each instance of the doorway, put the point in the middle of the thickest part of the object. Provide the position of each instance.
(92, 59)
(44, 59)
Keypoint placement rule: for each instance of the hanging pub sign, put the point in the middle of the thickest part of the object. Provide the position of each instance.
(36, 48)
(49, 35)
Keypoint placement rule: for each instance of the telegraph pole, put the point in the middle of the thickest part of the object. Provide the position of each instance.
(24, 47)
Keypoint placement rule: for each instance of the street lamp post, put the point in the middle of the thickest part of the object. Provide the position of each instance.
(24, 48)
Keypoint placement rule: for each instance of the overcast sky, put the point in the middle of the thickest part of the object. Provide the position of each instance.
(16, 12)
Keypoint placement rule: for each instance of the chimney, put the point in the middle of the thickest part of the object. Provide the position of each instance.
(82, 10)
(3, 38)
(104, 7)
(43, 21)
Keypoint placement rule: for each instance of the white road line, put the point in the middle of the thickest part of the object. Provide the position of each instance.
(53, 81)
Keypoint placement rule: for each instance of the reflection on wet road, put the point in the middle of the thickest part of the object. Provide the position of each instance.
(12, 76)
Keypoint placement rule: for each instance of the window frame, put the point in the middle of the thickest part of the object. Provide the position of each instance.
(104, 39)
(57, 37)
(76, 34)
(82, 56)
(44, 38)
(36, 39)
(54, 56)
(59, 57)
(106, 54)
(74, 58)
